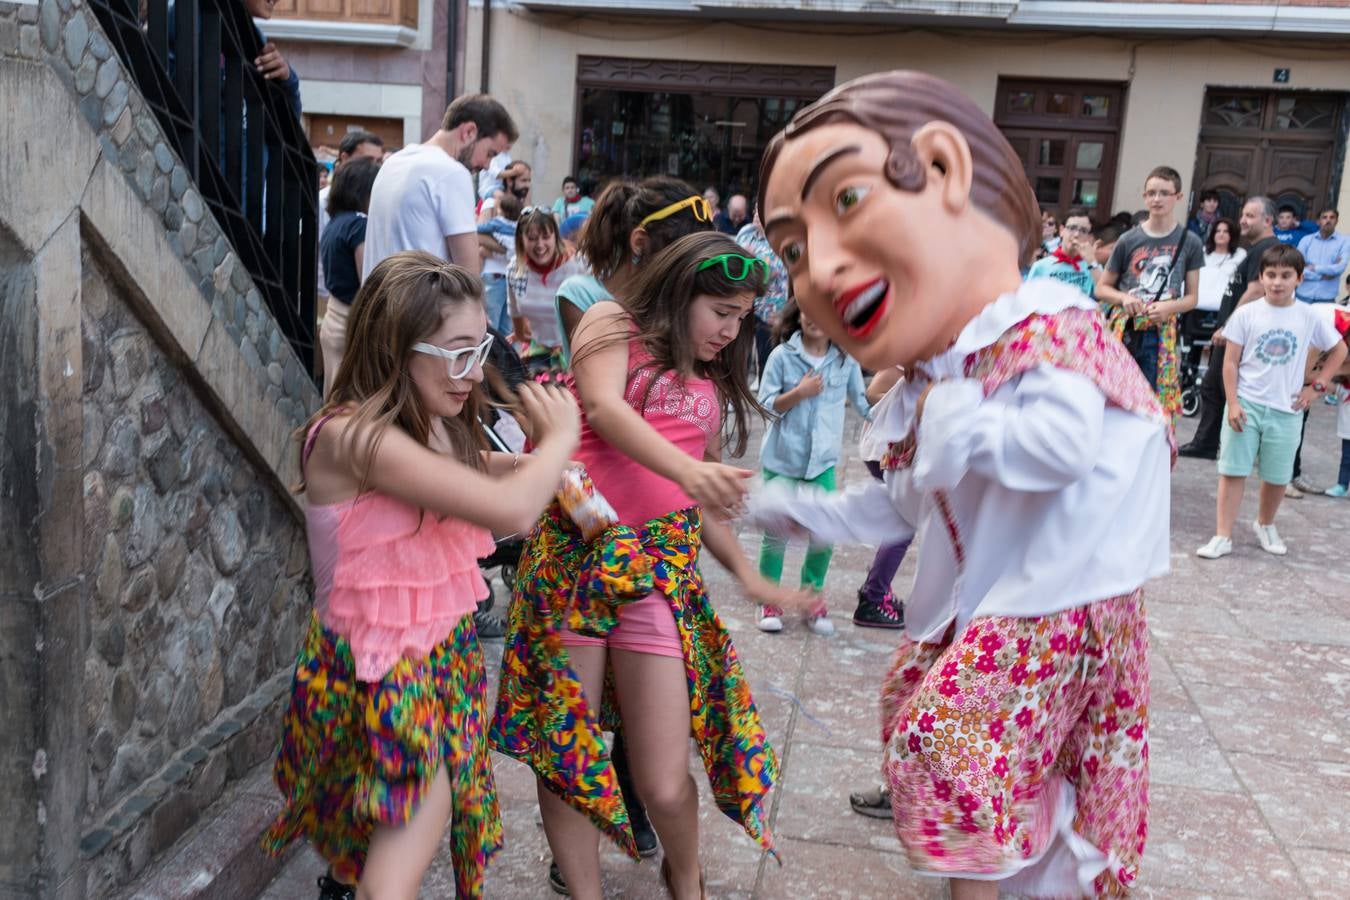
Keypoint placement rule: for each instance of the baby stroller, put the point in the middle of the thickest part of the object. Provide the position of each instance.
(1193, 339)
(498, 428)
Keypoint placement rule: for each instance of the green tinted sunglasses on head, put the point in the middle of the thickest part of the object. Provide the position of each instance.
(735, 266)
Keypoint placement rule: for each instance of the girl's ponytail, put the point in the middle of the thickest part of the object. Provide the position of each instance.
(604, 236)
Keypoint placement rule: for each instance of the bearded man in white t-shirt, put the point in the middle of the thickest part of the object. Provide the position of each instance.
(424, 197)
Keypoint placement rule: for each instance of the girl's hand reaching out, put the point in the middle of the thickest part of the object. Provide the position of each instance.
(552, 413)
(764, 592)
(720, 489)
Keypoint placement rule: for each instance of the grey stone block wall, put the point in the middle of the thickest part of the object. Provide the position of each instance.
(153, 576)
(200, 573)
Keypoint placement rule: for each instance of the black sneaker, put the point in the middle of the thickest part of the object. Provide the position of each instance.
(886, 613)
(1195, 451)
(489, 625)
(643, 834)
(555, 879)
(332, 889)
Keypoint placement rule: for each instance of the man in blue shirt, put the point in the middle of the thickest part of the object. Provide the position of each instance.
(1325, 256)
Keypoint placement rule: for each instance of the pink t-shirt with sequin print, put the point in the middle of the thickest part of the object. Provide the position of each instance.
(685, 412)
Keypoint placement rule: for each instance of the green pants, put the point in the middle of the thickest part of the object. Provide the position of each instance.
(817, 561)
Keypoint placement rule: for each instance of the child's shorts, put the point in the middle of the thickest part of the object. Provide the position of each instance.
(1271, 436)
(645, 626)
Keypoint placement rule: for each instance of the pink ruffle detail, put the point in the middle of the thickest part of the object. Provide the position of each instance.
(400, 588)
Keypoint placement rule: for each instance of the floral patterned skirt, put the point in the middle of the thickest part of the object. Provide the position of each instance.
(358, 754)
(1019, 735)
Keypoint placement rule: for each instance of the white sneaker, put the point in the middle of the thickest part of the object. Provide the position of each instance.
(770, 619)
(1307, 487)
(1217, 547)
(820, 624)
(1269, 538)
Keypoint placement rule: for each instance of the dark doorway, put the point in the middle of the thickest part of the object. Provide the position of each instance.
(704, 122)
(1066, 134)
(1283, 144)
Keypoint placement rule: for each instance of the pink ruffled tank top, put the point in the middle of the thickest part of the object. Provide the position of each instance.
(686, 413)
(389, 577)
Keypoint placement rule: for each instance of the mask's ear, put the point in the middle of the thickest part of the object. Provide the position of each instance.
(946, 155)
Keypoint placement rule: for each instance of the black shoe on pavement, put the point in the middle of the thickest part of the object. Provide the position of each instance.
(1195, 451)
(490, 627)
(886, 613)
(332, 889)
(643, 834)
(555, 879)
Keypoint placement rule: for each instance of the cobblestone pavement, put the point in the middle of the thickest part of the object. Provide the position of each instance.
(1250, 745)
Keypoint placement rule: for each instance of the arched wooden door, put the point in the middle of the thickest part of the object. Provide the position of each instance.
(1282, 144)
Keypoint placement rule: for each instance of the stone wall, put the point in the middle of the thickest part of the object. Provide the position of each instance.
(152, 568)
(200, 570)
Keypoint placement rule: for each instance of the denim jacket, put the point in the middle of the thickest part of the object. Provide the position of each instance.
(806, 440)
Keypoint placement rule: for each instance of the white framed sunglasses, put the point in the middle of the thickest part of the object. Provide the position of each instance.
(453, 365)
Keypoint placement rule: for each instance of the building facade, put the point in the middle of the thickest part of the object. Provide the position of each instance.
(1242, 97)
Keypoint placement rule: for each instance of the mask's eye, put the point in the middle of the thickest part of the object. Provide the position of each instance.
(848, 198)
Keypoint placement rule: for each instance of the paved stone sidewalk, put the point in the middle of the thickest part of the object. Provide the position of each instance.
(1250, 745)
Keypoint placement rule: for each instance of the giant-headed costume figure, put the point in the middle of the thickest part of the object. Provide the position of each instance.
(1031, 458)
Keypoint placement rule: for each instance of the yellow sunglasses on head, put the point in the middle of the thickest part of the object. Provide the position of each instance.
(701, 209)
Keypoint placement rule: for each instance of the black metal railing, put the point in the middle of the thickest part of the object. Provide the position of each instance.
(238, 136)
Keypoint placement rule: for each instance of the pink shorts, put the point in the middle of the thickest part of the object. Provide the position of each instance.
(645, 626)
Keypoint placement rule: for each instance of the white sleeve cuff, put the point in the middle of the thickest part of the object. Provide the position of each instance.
(945, 438)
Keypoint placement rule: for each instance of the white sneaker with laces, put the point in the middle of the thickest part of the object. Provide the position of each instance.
(1269, 538)
(1218, 546)
(820, 625)
(770, 619)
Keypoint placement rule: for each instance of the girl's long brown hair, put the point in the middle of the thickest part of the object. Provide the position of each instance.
(659, 303)
(402, 302)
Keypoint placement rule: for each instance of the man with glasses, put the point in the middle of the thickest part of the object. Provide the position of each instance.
(1152, 277)
(1072, 261)
(424, 198)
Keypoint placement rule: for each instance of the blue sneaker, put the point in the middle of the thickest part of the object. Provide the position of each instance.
(1338, 490)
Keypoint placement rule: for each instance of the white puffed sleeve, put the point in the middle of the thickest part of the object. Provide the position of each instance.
(1039, 432)
(860, 515)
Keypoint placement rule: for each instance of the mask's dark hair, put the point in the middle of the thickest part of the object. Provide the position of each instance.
(999, 184)
(1234, 235)
(402, 302)
(660, 302)
(351, 186)
(622, 205)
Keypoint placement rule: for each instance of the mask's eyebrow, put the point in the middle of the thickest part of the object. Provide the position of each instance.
(817, 169)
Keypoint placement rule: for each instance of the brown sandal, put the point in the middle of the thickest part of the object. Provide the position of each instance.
(665, 880)
(874, 803)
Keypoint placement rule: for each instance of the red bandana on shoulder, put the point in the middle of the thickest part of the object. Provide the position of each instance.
(1074, 339)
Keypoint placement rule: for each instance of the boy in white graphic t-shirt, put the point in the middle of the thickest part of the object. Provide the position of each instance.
(1268, 345)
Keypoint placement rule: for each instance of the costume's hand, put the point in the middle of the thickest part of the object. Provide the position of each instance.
(765, 593)
(720, 489)
(272, 64)
(1237, 417)
(811, 385)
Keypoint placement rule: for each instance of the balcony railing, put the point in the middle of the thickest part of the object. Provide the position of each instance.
(379, 22)
(238, 137)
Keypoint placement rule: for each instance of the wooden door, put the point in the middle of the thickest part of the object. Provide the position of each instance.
(1281, 144)
(1066, 134)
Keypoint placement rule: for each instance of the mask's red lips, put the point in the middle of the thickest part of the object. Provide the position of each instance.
(862, 307)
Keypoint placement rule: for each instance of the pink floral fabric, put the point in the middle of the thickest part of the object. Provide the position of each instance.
(982, 733)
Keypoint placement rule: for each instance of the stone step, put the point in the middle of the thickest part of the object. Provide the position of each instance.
(219, 859)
